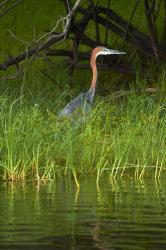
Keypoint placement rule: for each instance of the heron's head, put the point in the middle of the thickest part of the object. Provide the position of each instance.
(104, 51)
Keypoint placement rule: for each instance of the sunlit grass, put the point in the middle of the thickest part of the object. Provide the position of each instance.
(118, 137)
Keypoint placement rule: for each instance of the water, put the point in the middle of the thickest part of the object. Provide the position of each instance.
(118, 215)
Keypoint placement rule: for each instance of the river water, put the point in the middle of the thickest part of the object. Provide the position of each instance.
(125, 214)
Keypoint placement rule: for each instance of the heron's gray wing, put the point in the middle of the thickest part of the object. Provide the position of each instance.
(71, 106)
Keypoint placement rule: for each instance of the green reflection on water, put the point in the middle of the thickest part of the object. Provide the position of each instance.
(118, 213)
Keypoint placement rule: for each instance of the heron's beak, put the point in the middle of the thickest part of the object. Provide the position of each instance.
(106, 51)
(115, 52)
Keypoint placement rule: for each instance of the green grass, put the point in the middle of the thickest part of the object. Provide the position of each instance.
(118, 137)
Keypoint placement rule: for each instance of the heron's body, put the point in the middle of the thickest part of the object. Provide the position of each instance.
(84, 100)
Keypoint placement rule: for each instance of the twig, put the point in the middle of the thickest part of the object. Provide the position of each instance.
(62, 36)
(164, 25)
(11, 77)
(17, 39)
(131, 18)
(149, 10)
(61, 20)
(67, 5)
(129, 23)
(95, 21)
(3, 3)
(106, 27)
(157, 11)
(10, 8)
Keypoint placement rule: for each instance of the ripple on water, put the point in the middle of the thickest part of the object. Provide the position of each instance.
(123, 215)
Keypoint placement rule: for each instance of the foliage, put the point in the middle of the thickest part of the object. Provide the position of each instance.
(117, 137)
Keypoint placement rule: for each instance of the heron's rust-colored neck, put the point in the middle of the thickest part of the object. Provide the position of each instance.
(93, 66)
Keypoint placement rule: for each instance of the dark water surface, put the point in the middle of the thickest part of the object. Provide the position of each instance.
(120, 215)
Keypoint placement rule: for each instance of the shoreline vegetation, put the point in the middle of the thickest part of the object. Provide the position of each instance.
(119, 136)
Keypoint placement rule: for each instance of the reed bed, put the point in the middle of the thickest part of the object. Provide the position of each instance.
(117, 138)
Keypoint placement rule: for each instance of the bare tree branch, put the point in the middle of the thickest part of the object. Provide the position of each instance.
(149, 10)
(3, 3)
(54, 38)
(77, 28)
(10, 7)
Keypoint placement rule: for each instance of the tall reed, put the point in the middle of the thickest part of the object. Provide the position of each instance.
(115, 138)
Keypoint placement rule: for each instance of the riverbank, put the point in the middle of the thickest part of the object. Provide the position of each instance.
(119, 136)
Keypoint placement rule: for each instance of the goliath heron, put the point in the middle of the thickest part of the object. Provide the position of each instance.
(84, 100)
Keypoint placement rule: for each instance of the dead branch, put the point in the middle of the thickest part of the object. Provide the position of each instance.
(54, 38)
(135, 40)
(119, 25)
(103, 16)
